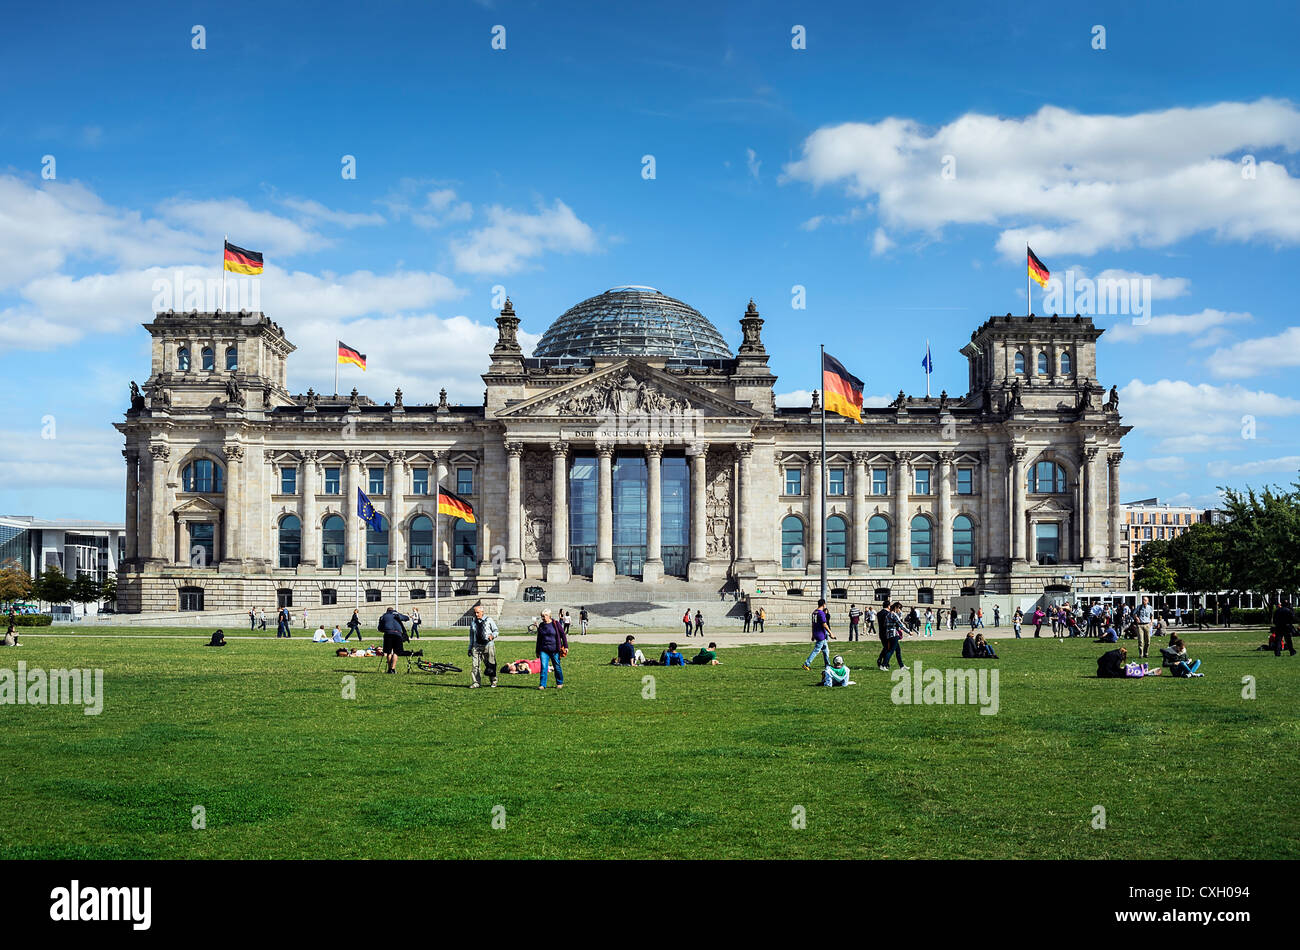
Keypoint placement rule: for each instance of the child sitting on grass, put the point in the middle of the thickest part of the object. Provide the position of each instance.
(837, 674)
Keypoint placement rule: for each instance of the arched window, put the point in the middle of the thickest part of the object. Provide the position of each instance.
(1046, 478)
(290, 541)
(877, 542)
(183, 359)
(331, 542)
(963, 542)
(1066, 366)
(421, 546)
(209, 359)
(921, 538)
(464, 546)
(1042, 364)
(202, 475)
(1020, 364)
(792, 552)
(232, 359)
(377, 545)
(837, 543)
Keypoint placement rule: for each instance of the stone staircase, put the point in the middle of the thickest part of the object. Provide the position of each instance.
(629, 605)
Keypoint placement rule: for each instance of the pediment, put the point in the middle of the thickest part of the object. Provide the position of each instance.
(628, 388)
(1050, 505)
(196, 506)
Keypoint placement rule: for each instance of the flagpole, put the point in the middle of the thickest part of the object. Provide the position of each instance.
(1029, 294)
(927, 368)
(224, 242)
(821, 529)
(336, 367)
(437, 546)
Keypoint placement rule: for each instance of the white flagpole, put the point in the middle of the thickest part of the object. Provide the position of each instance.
(224, 242)
(1029, 293)
(337, 343)
(927, 368)
(437, 545)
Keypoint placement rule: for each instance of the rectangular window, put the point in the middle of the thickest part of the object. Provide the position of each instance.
(965, 481)
(419, 481)
(794, 481)
(880, 481)
(836, 486)
(288, 481)
(1146, 533)
(1160, 534)
(464, 481)
(1047, 542)
(332, 481)
(376, 481)
(922, 483)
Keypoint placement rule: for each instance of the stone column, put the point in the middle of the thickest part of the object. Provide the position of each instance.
(860, 515)
(945, 511)
(745, 512)
(817, 518)
(698, 568)
(161, 544)
(558, 569)
(132, 504)
(653, 571)
(1113, 506)
(1018, 528)
(1091, 507)
(902, 523)
(602, 571)
(231, 546)
(514, 520)
(354, 540)
(396, 507)
(311, 543)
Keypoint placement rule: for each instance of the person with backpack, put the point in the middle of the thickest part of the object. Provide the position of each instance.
(686, 621)
(583, 619)
(699, 623)
(282, 624)
(821, 635)
(252, 619)
(390, 625)
(749, 618)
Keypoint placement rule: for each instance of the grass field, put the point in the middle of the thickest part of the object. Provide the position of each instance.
(714, 766)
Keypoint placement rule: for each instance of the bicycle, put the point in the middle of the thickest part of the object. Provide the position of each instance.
(420, 664)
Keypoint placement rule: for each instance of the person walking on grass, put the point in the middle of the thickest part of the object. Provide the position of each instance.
(1283, 627)
(252, 619)
(415, 624)
(261, 619)
(997, 615)
(929, 622)
(354, 626)
(282, 623)
(891, 634)
(483, 633)
(584, 619)
(821, 635)
(552, 644)
(390, 625)
(749, 618)
(855, 622)
(1145, 614)
(699, 624)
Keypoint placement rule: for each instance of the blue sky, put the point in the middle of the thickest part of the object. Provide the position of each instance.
(775, 167)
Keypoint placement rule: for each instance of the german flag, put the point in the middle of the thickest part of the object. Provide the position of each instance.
(241, 261)
(1037, 269)
(449, 503)
(841, 390)
(349, 355)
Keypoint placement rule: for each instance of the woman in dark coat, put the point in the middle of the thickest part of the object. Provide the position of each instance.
(551, 645)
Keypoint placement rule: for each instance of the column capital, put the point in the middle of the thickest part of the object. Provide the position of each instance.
(442, 456)
(160, 453)
(746, 449)
(1114, 458)
(654, 449)
(605, 449)
(1017, 453)
(353, 456)
(947, 457)
(233, 452)
(130, 457)
(861, 458)
(397, 456)
(902, 458)
(698, 450)
(815, 456)
(560, 448)
(310, 456)
(515, 449)
(1090, 452)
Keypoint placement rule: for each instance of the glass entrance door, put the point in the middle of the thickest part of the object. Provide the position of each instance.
(629, 514)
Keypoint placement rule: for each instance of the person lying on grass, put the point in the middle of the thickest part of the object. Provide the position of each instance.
(523, 666)
(837, 674)
(707, 657)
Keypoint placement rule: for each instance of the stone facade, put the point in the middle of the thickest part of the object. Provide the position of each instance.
(236, 488)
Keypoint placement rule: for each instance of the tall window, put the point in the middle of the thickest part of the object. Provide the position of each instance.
(332, 481)
(419, 481)
(877, 542)
(288, 481)
(675, 476)
(963, 542)
(421, 546)
(201, 475)
(836, 479)
(376, 481)
(793, 557)
(837, 543)
(1042, 364)
(922, 482)
(1047, 478)
(209, 359)
(1020, 364)
(202, 551)
(290, 541)
(1066, 367)
(629, 477)
(331, 542)
(183, 359)
(965, 481)
(582, 514)
(794, 481)
(921, 538)
(464, 481)
(232, 359)
(464, 545)
(1047, 542)
(377, 545)
(880, 481)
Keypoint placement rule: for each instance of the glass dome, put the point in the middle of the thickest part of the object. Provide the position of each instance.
(633, 321)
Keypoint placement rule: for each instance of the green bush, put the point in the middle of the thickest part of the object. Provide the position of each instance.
(32, 620)
(1252, 616)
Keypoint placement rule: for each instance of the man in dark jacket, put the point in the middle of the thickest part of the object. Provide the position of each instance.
(390, 625)
(551, 642)
(1283, 627)
(1110, 665)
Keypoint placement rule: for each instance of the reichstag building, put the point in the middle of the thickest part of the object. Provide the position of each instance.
(632, 446)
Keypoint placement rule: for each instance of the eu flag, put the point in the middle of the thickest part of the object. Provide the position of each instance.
(366, 512)
(927, 363)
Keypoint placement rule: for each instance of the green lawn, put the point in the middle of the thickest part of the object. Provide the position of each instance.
(259, 735)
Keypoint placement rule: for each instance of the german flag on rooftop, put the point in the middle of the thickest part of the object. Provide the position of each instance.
(349, 355)
(841, 390)
(241, 261)
(449, 503)
(1037, 269)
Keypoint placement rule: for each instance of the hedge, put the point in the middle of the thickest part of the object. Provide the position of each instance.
(32, 620)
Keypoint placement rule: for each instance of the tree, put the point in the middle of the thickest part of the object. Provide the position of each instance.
(52, 586)
(1157, 577)
(15, 583)
(84, 590)
(1260, 542)
(108, 590)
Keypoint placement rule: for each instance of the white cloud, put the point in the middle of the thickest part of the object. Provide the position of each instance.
(880, 242)
(1187, 417)
(1288, 464)
(316, 211)
(1088, 182)
(1162, 288)
(1173, 325)
(81, 459)
(214, 219)
(1259, 356)
(427, 209)
(752, 162)
(514, 238)
(1166, 463)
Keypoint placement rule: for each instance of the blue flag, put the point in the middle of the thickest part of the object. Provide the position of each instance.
(366, 512)
(927, 364)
